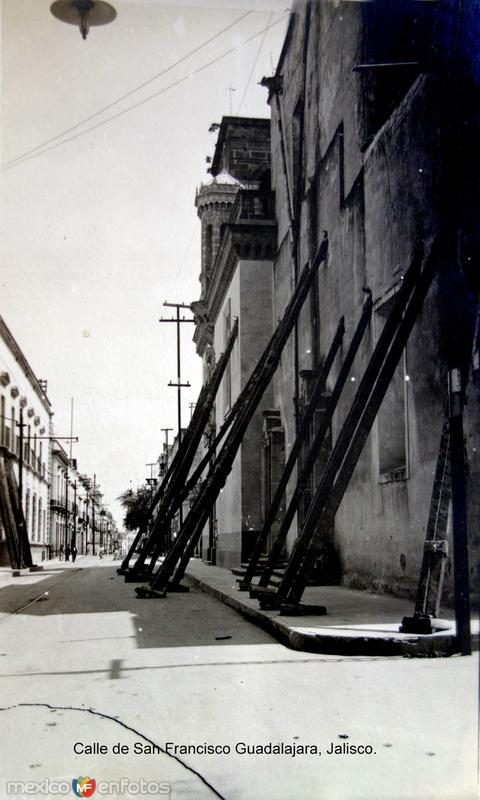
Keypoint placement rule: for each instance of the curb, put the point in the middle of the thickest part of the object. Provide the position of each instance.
(436, 645)
(269, 624)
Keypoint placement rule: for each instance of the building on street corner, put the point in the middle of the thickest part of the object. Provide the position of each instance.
(238, 230)
(21, 392)
(364, 154)
(61, 507)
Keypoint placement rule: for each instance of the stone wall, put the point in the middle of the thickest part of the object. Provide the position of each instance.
(238, 508)
(374, 157)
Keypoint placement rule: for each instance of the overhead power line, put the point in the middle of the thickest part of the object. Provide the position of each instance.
(255, 63)
(39, 152)
(129, 94)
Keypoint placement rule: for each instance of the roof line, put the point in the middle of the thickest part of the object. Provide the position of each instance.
(15, 348)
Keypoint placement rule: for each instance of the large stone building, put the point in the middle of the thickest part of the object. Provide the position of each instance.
(238, 241)
(22, 392)
(368, 103)
(373, 145)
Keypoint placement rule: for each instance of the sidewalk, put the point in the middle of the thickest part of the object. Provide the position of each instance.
(356, 623)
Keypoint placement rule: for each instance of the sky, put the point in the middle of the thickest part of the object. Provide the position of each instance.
(98, 222)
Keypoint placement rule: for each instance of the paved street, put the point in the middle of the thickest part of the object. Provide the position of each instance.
(90, 665)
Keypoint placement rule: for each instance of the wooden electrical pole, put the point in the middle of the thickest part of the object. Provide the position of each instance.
(178, 321)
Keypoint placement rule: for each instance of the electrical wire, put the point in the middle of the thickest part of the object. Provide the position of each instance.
(142, 102)
(255, 63)
(182, 262)
(128, 94)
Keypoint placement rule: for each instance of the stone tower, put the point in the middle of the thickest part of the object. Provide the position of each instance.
(214, 202)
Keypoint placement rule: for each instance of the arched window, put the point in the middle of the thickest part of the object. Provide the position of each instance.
(208, 248)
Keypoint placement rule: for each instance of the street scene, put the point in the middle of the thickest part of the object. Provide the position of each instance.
(106, 670)
(240, 399)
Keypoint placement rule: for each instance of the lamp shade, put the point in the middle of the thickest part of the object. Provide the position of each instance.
(84, 13)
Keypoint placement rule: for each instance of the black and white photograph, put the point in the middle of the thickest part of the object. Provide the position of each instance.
(240, 399)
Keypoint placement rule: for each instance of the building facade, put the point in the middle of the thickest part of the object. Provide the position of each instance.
(238, 232)
(372, 135)
(366, 105)
(61, 507)
(22, 395)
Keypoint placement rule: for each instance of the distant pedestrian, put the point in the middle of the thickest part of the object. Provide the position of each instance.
(74, 552)
(67, 553)
(61, 552)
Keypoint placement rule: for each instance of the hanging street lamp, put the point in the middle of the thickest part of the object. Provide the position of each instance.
(84, 13)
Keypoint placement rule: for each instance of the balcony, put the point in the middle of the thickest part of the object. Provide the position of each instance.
(57, 504)
(252, 204)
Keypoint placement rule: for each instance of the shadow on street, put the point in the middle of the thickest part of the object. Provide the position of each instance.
(180, 620)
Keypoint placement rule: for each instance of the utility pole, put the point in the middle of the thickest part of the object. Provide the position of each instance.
(151, 480)
(165, 431)
(74, 534)
(21, 425)
(66, 545)
(71, 428)
(21, 457)
(151, 464)
(93, 515)
(87, 520)
(179, 383)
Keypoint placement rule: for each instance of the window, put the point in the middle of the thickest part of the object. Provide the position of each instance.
(39, 519)
(34, 517)
(208, 248)
(6, 425)
(394, 32)
(27, 507)
(227, 377)
(392, 416)
(14, 430)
